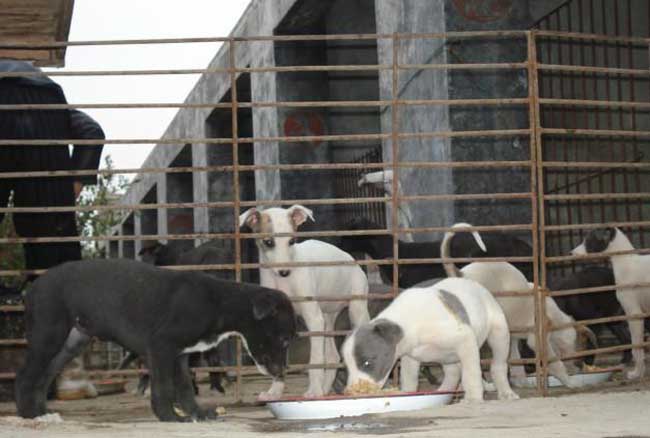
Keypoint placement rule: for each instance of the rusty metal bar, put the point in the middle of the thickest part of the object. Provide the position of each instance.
(327, 201)
(595, 132)
(591, 226)
(290, 139)
(606, 350)
(539, 242)
(597, 289)
(596, 165)
(234, 115)
(395, 182)
(597, 196)
(595, 103)
(485, 228)
(267, 69)
(231, 266)
(251, 167)
(599, 321)
(591, 37)
(322, 37)
(288, 104)
(588, 69)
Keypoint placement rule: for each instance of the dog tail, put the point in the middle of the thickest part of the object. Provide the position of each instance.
(445, 249)
(126, 361)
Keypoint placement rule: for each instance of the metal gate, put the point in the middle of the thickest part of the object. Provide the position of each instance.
(587, 132)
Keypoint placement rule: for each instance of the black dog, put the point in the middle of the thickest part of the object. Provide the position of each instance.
(156, 313)
(160, 254)
(463, 245)
(588, 306)
(592, 305)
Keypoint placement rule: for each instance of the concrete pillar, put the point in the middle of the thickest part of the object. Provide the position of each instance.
(425, 17)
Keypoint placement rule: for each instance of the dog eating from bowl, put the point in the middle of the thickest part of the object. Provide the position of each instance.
(445, 323)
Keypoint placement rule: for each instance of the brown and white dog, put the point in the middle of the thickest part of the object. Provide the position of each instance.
(308, 281)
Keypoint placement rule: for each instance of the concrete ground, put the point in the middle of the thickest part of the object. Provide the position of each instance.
(614, 409)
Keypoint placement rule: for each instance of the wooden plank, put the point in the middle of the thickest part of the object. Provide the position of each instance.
(36, 21)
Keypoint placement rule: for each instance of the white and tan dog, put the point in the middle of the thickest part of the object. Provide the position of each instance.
(312, 281)
(445, 323)
(519, 311)
(628, 269)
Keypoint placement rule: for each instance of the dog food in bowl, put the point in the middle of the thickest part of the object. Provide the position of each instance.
(366, 387)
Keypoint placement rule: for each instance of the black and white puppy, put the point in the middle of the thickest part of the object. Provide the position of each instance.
(445, 323)
(628, 269)
(463, 245)
(158, 314)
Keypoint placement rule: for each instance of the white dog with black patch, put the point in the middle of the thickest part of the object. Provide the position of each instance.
(308, 281)
(445, 323)
(628, 269)
(519, 310)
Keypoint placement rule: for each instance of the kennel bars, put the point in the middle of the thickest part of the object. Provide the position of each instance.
(545, 226)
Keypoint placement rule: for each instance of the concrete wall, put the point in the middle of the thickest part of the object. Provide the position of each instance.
(406, 17)
(265, 17)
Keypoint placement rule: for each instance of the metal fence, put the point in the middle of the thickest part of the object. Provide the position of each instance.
(551, 172)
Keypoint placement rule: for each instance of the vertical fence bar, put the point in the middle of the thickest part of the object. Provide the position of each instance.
(395, 201)
(234, 107)
(635, 145)
(583, 61)
(395, 151)
(538, 236)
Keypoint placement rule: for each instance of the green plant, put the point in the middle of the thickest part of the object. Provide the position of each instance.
(94, 223)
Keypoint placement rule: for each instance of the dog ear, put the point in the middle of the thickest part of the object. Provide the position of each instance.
(389, 331)
(264, 306)
(299, 214)
(251, 218)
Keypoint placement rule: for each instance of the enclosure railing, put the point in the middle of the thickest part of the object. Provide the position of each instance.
(392, 138)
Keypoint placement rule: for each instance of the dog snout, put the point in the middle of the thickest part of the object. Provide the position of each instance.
(284, 272)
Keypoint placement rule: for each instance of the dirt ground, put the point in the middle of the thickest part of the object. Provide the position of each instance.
(613, 409)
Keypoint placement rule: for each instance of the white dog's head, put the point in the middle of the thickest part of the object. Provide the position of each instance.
(276, 220)
(598, 240)
(370, 352)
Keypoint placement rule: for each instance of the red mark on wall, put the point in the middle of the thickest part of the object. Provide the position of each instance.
(180, 222)
(483, 11)
(303, 124)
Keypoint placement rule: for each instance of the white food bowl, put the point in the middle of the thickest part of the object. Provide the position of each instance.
(580, 379)
(351, 406)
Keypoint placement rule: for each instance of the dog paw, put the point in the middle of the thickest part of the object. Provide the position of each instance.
(313, 394)
(570, 385)
(488, 386)
(267, 396)
(634, 374)
(508, 395)
(471, 400)
(519, 382)
(207, 415)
